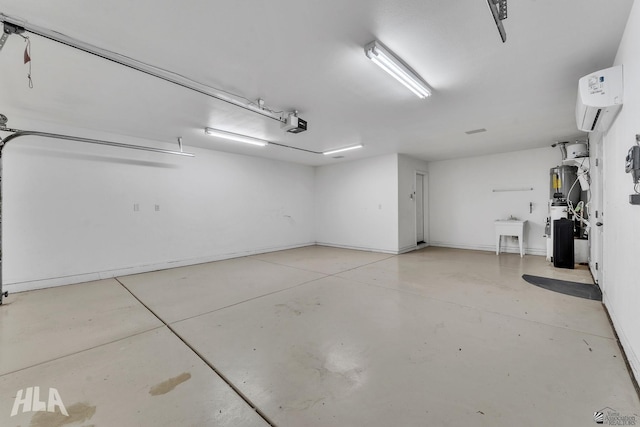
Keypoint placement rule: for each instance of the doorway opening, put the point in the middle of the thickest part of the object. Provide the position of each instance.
(421, 209)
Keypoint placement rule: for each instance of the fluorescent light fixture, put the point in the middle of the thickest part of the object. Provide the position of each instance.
(393, 65)
(499, 12)
(340, 150)
(235, 137)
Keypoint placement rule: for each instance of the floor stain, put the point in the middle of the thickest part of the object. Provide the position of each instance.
(439, 325)
(78, 413)
(290, 309)
(166, 386)
(301, 405)
(298, 307)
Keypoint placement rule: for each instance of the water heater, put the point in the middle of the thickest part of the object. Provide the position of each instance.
(561, 181)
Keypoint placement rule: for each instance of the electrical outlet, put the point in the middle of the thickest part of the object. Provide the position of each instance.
(136, 207)
(157, 208)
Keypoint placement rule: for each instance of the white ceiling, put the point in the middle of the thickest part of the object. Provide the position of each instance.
(308, 55)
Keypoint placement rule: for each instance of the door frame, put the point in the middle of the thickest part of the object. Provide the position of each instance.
(596, 234)
(425, 206)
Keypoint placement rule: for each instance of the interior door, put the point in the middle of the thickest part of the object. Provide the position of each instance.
(419, 208)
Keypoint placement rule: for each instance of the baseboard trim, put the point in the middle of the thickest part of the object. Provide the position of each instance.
(412, 248)
(630, 357)
(126, 271)
(490, 248)
(358, 248)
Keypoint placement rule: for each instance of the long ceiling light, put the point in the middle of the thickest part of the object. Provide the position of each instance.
(340, 150)
(499, 11)
(235, 137)
(393, 65)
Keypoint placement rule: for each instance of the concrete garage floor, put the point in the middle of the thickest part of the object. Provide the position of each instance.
(315, 336)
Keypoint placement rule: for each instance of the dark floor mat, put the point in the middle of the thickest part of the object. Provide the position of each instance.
(581, 290)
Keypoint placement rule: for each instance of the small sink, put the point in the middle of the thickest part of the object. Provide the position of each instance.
(510, 227)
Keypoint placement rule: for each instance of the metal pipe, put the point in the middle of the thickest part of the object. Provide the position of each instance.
(90, 141)
(500, 190)
(21, 133)
(294, 148)
(126, 61)
(563, 148)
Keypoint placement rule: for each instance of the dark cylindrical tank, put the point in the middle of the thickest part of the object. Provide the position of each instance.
(561, 179)
(563, 249)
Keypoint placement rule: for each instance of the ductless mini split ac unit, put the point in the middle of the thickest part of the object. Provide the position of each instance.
(599, 99)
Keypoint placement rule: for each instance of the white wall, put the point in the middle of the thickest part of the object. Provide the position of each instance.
(407, 168)
(463, 206)
(357, 204)
(621, 282)
(68, 209)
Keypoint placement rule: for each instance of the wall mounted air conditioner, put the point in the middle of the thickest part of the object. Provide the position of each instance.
(599, 99)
